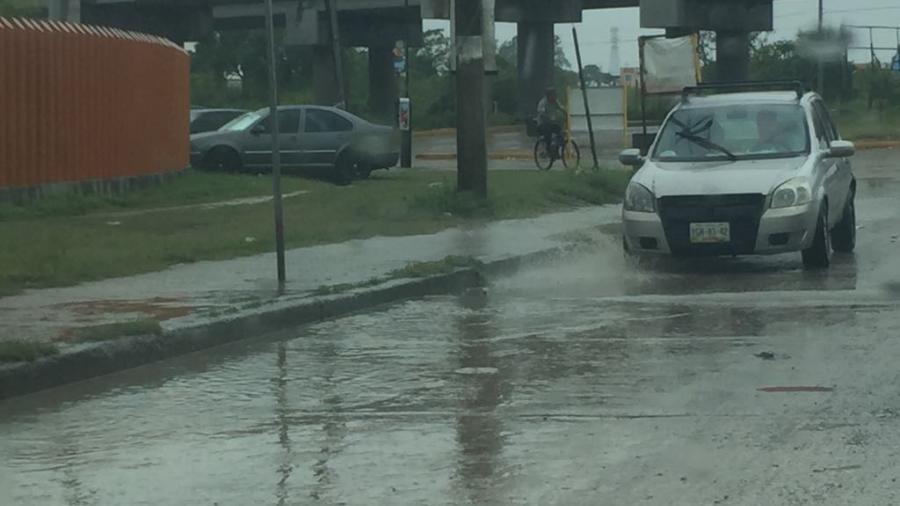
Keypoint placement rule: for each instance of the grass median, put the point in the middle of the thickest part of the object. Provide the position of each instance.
(67, 240)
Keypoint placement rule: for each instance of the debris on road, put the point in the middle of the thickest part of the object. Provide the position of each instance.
(796, 389)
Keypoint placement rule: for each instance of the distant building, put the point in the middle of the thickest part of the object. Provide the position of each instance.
(630, 76)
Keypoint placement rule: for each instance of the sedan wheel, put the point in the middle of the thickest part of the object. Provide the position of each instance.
(345, 168)
(224, 159)
(844, 234)
(818, 255)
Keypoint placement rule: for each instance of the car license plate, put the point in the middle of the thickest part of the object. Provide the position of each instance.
(706, 233)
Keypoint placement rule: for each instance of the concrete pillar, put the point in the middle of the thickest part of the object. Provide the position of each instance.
(325, 87)
(535, 54)
(383, 89)
(64, 10)
(732, 56)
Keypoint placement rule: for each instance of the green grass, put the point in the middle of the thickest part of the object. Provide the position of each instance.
(25, 351)
(425, 269)
(188, 188)
(865, 125)
(411, 270)
(112, 331)
(45, 245)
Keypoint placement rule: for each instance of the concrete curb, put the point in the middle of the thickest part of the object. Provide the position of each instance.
(97, 359)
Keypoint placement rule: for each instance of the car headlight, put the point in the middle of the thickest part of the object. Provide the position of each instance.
(639, 198)
(793, 193)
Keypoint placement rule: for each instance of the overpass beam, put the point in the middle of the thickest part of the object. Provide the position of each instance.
(536, 48)
(383, 90)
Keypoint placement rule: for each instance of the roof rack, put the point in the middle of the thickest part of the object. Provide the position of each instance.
(738, 86)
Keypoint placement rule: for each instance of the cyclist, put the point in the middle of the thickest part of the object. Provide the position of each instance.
(550, 118)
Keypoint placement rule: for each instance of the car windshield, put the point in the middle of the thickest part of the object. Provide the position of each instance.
(242, 122)
(733, 132)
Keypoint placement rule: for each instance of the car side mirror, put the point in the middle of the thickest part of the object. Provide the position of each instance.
(631, 158)
(258, 129)
(841, 149)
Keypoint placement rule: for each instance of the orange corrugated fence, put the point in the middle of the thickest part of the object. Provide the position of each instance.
(82, 102)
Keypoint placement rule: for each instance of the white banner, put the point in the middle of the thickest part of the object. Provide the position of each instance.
(607, 109)
(670, 64)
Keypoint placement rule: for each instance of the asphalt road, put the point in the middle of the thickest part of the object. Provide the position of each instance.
(585, 381)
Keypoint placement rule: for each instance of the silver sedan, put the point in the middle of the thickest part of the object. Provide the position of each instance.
(327, 140)
(754, 172)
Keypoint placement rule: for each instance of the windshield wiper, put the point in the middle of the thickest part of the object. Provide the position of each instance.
(700, 141)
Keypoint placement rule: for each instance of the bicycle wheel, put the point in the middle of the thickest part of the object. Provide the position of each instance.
(571, 155)
(542, 156)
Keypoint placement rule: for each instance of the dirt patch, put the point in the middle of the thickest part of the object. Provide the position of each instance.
(160, 308)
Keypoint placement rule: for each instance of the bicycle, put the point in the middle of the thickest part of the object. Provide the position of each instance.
(562, 147)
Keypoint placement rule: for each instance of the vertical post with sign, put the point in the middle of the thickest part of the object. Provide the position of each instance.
(404, 121)
(404, 116)
(276, 148)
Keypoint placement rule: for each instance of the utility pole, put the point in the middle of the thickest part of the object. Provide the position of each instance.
(471, 129)
(406, 135)
(821, 65)
(587, 105)
(276, 147)
(336, 51)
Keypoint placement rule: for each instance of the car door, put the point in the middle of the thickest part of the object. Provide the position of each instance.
(325, 133)
(831, 168)
(257, 140)
(844, 165)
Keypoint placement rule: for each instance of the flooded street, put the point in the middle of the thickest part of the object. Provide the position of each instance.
(590, 380)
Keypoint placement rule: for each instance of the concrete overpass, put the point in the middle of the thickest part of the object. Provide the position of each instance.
(378, 24)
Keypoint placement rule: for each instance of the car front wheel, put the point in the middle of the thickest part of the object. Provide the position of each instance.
(818, 255)
(844, 234)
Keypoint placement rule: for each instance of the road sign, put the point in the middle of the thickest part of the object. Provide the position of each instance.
(403, 114)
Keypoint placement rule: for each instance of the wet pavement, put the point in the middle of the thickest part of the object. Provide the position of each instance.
(190, 294)
(588, 380)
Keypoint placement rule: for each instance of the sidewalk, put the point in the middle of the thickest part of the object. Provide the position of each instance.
(188, 295)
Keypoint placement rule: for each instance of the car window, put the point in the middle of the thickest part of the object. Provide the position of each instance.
(223, 117)
(205, 122)
(819, 124)
(318, 120)
(288, 122)
(827, 123)
(739, 130)
(242, 122)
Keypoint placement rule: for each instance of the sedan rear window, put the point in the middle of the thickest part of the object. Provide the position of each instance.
(732, 132)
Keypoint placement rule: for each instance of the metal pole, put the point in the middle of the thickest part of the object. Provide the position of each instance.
(406, 137)
(276, 147)
(471, 120)
(644, 147)
(336, 51)
(587, 106)
(821, 64)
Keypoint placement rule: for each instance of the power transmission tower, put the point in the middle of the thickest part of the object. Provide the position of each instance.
(615, 66)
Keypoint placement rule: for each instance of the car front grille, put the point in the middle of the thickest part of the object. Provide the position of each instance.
(741, 211)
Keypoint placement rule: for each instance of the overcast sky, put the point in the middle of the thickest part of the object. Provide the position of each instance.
(790, 16)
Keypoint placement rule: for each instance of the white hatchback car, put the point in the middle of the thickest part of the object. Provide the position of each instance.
(738, 171)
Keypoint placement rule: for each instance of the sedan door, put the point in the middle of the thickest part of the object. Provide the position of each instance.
(324, 134)
(836, 171)
(257, 141)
